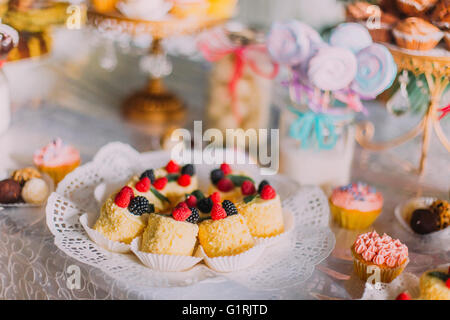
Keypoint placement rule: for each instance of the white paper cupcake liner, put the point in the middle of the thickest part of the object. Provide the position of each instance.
(233, 263)
(100, 239)
(163, 262)
(289, 224)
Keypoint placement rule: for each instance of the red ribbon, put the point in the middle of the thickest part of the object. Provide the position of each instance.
(445, 111)
(242, 56)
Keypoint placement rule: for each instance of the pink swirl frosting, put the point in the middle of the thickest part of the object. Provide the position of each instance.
(56, 153)
(381, 250)
(357, 196)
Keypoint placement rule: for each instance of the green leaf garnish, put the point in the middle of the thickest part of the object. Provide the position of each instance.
(250, 198)
(159, 195)
(440, 275)
(172, 177)
(239, 180)
(198, 194)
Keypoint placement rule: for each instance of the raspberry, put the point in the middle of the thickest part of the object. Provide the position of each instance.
(195, 215)
(149, 174)
(205, 205)
(218, 212)
(403, 296)
(123, 197)
(191, 201)
(262, 184)
(143, 185)
(184, 180)
(215, 197)
(181, 212)
(229, 207)
(160, 183)
(172, 167)
(447, 283)
(188, 169)
(216, 175)
(226, 169)
(268, 192)
(225, 185)
(248, 188)
(140, 205)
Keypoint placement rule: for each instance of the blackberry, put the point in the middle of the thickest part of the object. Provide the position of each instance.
(262, 184)
(140, 205)
(195, 215)
(188, 169)
(216, 175)
(205, 205)
(149, 174)
(198, 194)
(229, 207)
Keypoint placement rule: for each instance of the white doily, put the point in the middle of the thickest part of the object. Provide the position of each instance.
(406, 282)
(284, 265)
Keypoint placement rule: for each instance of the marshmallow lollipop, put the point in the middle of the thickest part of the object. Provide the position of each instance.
(352, 36)
(332, 68)
(376, 71)
(288, 43)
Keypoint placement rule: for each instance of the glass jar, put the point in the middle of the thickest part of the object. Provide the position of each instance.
(314, 158)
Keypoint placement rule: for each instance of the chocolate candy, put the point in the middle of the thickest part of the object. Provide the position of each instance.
(424, 221)
(9, 191)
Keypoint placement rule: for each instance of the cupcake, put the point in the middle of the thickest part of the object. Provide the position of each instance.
(417, 34)
(355, 206)
(227, 182)
(441, 15)
(226, 233)
(175, 235)
(123, 216)
(435, 284)
(57, 159)
(104, 5)
(415, 7)
(261, 209)
(380, 258)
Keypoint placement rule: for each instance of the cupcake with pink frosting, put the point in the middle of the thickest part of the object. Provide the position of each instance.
(57, 159)
(356, 206)
(379, 258)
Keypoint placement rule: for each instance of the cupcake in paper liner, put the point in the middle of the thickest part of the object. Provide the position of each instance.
(101, 240)
(355, 206)
(378, 258)
(226, 243)
(56, 159)
(168, 242)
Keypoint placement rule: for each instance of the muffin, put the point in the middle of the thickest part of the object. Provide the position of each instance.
(417, 34)
(262, 210)
(441, 15)
(226, 233)
(415, 7)
(56, 159)
(123, 216)
(388, 257)
(166, 235)
(227, 182)
(435, 284)
(355, 206)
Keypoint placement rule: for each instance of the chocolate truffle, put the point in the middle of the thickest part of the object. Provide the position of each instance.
(424, 221)
(9, 191)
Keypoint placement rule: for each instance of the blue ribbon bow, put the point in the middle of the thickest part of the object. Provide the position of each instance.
(310, 125)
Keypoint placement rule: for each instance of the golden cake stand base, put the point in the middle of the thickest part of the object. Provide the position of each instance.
(437, 72)
(154, 107)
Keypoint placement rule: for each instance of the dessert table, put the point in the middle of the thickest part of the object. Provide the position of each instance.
(70, 96)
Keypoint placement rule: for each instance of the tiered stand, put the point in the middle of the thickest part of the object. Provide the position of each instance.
(154, 105)
(437, 72)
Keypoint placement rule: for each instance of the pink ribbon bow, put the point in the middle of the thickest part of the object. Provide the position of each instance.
(215, 45)
(445, 111)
